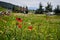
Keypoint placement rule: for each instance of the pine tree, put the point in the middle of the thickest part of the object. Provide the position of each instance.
(48, 8)
(40, 10)
(57, 10)
(13, 9)
(26, 10)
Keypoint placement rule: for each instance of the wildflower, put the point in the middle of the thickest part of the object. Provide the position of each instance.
(19, 19)
(30, 27)
(19, 26)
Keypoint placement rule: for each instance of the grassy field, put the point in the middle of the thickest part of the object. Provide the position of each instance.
(2, 9)
(29, 27)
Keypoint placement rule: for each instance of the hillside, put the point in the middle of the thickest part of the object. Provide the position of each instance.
(7, 5)
(2, 9)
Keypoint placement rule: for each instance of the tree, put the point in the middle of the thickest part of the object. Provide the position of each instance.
(15, 9)
(26, 10)
(40, 10)
(48, 8)
(57, 10)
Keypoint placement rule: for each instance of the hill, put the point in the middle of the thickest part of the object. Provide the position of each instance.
(7, 5)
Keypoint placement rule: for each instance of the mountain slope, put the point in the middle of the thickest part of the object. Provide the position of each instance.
(6, 5)
(2, 9)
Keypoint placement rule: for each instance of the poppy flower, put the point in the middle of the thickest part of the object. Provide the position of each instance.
(19, 26)
(30, 27)
(19, 19)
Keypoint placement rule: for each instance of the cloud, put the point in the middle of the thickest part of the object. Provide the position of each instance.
(33, 3)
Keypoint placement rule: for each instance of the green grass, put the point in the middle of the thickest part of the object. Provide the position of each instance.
(44, 27)
(2, 9)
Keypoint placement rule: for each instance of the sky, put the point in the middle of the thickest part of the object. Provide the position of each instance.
(33, 4)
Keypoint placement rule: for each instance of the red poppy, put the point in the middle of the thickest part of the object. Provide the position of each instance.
(19, 26)
(30, 27)
(19, 19)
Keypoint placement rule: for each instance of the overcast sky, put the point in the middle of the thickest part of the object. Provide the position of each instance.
(33, 3)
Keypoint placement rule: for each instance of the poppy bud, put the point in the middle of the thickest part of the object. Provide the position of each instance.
(19, 19)
(30, 27)
(19, 26)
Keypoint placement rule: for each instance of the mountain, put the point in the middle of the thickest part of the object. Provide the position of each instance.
(7, 5)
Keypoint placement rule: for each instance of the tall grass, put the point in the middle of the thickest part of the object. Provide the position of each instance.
(43, 28)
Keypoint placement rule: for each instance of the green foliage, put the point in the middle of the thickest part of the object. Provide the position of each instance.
(57, 10)
(48, 8)
(40, 10)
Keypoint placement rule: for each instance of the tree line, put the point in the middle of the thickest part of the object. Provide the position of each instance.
(20, 9)
(40, 10)
(48, 8)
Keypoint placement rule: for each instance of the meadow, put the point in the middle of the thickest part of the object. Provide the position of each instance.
(29, 27)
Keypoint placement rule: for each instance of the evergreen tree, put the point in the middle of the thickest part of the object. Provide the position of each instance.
(13, 9)
(48, 8)
(57, 10)
(26, 10)
(40, 10)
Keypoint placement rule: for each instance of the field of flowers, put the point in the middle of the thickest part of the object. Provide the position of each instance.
(29, 27)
